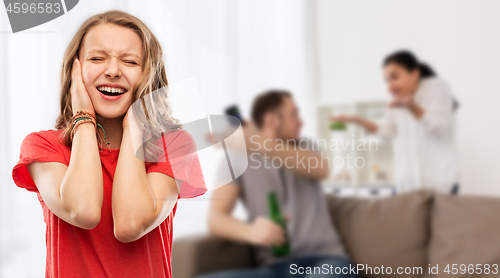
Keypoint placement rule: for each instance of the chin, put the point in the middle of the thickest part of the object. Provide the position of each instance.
(110, 112)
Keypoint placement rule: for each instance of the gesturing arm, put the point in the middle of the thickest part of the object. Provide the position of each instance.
(437, 111)
(300, 160)
(140, 200)
(370, 126)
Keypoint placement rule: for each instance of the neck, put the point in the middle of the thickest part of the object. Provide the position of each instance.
(415, 87)
(113, 129)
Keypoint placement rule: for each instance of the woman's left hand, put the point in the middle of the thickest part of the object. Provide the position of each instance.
(129, 120)
(404, 101)
(133, 127)
(408, 103)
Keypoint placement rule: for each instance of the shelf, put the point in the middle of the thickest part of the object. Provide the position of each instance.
(376, 161)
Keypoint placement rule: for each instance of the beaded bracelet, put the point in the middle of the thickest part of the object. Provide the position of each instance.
(83, 113)
(83, 116)
(78, 122)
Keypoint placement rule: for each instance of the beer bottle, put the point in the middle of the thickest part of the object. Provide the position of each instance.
(276, 216)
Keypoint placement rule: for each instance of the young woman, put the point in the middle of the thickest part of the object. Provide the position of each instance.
(420, 120)
(107, 203)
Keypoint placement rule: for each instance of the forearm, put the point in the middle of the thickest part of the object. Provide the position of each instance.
(81, 190)
(226, 226)
(133, 202)
(307, 163)
(366, 124)
(304, 162)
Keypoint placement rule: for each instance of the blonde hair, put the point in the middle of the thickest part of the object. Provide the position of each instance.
(156, 108)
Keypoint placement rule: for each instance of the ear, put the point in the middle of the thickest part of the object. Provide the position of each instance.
(415, 74)
(271, 120)
(276, 120)
(267, 120)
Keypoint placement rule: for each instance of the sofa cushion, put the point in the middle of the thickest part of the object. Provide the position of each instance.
(465, 230)
(388, 231)
(201, 254)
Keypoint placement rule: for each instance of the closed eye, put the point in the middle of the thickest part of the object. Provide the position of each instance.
(131, 62)
(96, 59)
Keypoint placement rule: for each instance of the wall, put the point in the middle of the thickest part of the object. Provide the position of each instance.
(459, 38)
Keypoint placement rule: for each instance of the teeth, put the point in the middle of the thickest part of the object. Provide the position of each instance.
(111, 89)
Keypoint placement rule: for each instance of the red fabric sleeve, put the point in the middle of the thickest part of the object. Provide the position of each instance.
(39, 146)
(181, 162)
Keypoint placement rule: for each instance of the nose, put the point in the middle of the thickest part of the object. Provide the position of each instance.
(113, 68)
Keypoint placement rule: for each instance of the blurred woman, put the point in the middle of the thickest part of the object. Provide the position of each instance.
(420, 121)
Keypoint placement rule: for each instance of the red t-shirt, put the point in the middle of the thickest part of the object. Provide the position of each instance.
(75, 252)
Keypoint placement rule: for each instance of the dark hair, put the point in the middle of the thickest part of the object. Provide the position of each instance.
(266, 102)
(410, 62)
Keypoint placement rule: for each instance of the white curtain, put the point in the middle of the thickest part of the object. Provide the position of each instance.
(233, 49)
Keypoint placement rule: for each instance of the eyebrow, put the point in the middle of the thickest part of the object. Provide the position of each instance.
(120, 56)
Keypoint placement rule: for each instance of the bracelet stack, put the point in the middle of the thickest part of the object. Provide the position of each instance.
(83, 116)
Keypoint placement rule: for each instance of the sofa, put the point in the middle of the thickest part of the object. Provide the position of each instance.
(415, 232)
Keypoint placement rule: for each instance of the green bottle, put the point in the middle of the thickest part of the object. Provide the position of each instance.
(338, 126)
(276, 216)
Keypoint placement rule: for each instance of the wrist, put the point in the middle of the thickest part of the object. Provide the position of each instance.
(356, 120)
(84, 110)
(87, 125)
(125, 134)
(249, 234)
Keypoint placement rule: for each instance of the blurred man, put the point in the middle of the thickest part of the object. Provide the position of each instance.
(279, 162)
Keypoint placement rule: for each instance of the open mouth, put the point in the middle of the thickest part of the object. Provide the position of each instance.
(111, 91)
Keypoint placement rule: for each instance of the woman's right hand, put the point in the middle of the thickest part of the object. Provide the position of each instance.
(80, 98)
(367, 124)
